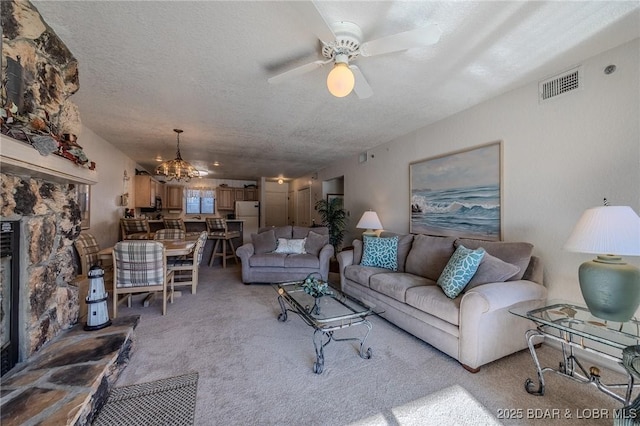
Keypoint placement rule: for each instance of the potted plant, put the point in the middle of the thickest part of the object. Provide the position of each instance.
(334, 217)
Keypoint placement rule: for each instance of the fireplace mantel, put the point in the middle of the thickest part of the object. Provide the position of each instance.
(21, 159)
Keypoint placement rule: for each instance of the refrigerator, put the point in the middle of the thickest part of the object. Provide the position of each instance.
(249, 212)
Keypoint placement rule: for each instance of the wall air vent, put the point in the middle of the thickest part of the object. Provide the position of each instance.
(560, 84)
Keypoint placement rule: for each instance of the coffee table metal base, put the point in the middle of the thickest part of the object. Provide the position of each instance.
(322, 333)
(567, 367)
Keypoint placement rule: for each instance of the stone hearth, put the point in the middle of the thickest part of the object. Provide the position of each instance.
(69, 379)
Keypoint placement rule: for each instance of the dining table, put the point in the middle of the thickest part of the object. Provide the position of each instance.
(172, 248)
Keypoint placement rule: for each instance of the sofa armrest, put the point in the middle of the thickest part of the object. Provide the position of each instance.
(245, 251)
(488, 331)
(495, 296)
(345, 258)
(325, 255)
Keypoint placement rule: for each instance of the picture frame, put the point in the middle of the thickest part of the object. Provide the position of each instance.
(84, 202)
(458, 194)
(338, 196)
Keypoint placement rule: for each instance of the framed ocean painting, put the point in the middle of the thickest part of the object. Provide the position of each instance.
(458, 194)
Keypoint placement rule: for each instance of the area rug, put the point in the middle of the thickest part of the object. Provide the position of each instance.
(450, 406)
(163, 402)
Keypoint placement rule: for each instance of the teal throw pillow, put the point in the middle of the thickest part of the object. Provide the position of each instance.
(380, 252)
(461, 267)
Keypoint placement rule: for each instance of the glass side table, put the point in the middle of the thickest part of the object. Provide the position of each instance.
(574, 327)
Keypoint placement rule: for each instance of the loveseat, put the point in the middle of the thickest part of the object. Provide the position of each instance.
(475, 327)
(285, 253)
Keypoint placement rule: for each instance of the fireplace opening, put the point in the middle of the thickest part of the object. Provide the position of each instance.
(9, 293)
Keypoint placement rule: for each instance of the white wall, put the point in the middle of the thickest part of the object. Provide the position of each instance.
(111, 164)
(560, 158)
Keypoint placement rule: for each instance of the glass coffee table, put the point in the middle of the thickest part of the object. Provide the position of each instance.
(574, 327)
(327, 314)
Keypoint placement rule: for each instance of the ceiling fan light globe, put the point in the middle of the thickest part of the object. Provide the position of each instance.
(340, 80)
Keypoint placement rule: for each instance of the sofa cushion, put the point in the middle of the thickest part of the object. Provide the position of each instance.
(380, 252)
(492, 270)
(396, 284)
(303, 231)
(280, 231)
(362, 274)
(429, 255)
(293, 246)
(404, 245)
(301, 261)
(431, 299)
(275, 260)
(264, 242)
(517, 253)
(315, 242)
(459, 270)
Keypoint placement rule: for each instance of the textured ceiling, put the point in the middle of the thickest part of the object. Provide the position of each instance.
(147, 67)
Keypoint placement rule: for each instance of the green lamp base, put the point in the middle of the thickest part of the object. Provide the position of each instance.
(369, 233)
(610, 287)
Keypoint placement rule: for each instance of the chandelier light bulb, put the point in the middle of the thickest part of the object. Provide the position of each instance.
(340, 80)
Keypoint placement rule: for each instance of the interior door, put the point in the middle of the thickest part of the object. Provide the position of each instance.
(276, 209)
(291, 208)
(304, 204)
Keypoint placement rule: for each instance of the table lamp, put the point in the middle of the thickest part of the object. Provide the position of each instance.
(610, 286)
(369, 221)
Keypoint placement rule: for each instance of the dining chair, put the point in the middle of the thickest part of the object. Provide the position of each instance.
(186, 270)
(178, 223)
(217, 230)
(140, 267)
(169, 234)
(135, 229)
(88, 249)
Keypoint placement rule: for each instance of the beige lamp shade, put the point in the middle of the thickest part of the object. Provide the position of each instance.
(369, 221)
(606, 230)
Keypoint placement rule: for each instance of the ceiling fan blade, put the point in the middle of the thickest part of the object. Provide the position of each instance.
(362, 88)
(313, 19)
(292, 73)
(414, 38)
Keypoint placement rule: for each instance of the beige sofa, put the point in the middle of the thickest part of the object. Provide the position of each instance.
(475, 327)
(263, 263)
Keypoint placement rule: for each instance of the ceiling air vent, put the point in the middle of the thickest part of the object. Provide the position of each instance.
(559, 84)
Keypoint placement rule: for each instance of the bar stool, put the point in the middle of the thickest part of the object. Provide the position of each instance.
(178, 223)
(217, 230)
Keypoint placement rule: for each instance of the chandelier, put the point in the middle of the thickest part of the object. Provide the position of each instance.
(177, 168)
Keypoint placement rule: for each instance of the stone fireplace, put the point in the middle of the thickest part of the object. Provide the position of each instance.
(49, 219)
(41, 167)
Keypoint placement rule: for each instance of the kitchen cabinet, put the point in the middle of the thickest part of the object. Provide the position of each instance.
(146, 191)
(251, 194)
(173, 197)
(225, 198)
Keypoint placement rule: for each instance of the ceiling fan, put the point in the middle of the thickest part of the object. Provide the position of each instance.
(342, 43)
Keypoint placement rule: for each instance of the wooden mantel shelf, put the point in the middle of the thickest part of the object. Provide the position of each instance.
(22, 159)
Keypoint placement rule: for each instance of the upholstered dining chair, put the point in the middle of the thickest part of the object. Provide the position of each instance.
(178, 223)
(186, 270)
(88, 249)
(140, 267)
(169, 234)
(217, 230)
(135, 229)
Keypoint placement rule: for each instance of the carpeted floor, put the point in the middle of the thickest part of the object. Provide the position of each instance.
(255, 370)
